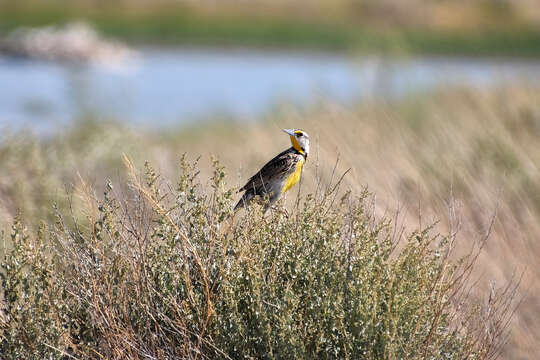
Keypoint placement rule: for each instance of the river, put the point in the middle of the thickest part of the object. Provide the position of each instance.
(175, 86)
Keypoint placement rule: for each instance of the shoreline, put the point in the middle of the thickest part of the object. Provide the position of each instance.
(179, 27)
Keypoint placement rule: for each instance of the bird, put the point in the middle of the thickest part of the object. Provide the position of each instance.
(279, 174)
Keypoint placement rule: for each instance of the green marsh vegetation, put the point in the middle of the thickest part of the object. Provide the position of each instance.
(152, 263)
(418, 26)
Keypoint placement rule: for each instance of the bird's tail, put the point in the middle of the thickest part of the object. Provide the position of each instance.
(240, 204)
(244, 201)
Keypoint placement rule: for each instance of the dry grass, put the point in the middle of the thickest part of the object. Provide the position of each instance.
(454, 156)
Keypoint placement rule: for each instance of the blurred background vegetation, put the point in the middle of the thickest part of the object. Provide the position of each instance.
(501, 27)
(434, 105)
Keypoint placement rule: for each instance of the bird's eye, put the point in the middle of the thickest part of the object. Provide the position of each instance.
(299, 134)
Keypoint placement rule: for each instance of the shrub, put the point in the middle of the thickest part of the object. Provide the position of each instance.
(163, 271)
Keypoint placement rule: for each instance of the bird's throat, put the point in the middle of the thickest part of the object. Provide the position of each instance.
(296, 145)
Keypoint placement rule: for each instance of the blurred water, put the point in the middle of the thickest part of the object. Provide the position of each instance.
(176, 86)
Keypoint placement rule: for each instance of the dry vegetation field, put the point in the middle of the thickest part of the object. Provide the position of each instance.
(452, 158)
(413, 234)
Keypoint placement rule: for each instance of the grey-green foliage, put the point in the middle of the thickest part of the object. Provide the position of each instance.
(168, 271)
(324, 284)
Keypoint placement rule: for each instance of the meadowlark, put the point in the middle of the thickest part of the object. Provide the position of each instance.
(279, 174)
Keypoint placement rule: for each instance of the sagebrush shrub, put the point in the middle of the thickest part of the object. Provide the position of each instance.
(169, 271)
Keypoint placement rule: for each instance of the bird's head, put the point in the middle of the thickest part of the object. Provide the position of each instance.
(299, 140)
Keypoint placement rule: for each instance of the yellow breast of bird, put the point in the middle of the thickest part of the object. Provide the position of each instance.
(293, 178)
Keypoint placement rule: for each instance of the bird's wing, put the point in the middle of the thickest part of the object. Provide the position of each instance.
(277, 167)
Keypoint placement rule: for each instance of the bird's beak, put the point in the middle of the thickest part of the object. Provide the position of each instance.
(289, 131)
